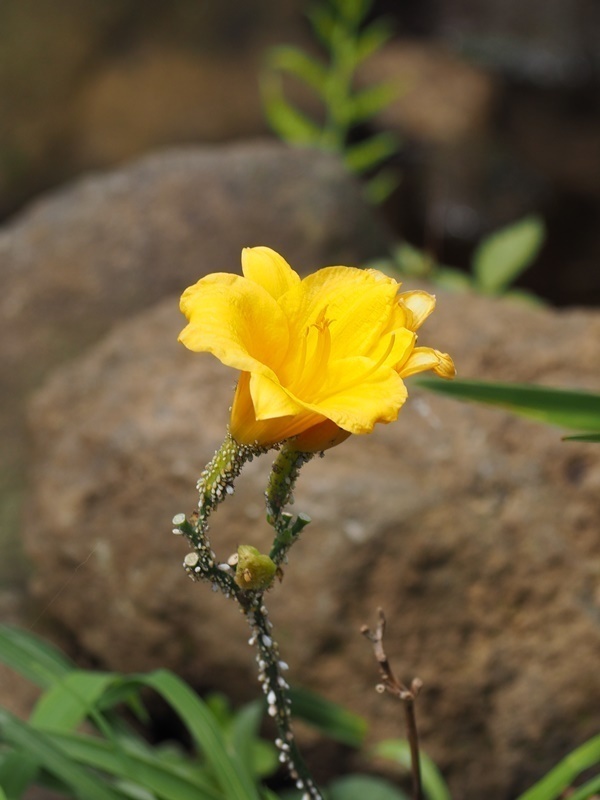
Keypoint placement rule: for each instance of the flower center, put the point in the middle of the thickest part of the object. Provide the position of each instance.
(315, 350)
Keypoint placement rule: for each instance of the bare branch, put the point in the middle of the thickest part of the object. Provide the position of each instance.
(389, 683)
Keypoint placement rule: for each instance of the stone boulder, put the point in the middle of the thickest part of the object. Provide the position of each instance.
(111, 244)
(475, 530)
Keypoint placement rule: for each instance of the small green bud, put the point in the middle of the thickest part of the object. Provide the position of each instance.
(254, 570)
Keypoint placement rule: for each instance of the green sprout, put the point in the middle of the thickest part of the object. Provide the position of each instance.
(347, 38)
(498, 260)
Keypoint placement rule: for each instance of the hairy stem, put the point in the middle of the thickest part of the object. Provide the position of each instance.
(215, 483)
(282, 480)
(275, 688)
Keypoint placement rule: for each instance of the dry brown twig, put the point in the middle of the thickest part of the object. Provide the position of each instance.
(389, 683)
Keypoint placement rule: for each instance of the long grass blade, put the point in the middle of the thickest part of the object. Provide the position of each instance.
(38, 745)
(330, 718)
(143, 768)
(565, 772)
(31, 657)
(66, 704)
(569, 409)
(233, 778)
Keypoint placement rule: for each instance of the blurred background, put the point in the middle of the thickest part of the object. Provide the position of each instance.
(480, 530)
(498, 108)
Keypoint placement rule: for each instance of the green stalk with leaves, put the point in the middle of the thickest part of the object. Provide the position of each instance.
(347, 39)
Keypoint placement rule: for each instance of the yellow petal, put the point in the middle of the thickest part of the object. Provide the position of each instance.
(355, 397)
(355, 303)
(237, 321)
(445, 368)
(270, 400)
(424, 358)
(246, 429)
(270, 270)
(419, 305)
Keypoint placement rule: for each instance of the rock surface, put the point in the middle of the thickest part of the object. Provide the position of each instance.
(111, 244)
(476, 531)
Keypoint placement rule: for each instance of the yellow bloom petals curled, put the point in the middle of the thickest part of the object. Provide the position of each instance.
(320, 358)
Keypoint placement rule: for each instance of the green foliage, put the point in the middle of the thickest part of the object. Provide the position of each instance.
(356, 787)
(505, 254)
(566, 772)
(398, 750)
(330, 718)
(341, 29)
(568, 409)
(359, 787)
(497, 262)
(112, 761)
(116, 762)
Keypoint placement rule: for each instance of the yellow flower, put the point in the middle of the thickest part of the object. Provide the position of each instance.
(320, 358)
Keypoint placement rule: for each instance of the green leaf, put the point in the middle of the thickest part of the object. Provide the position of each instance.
(38, 745)
(372, 39)
(398, 750)
(380, 186)
(369, 102)
(66, 704)
(587, 790)
(359, 787)
(233, 778)
(18, 770)
(524, 297)
(141, 766)
(2, 795)
(267, 794)
(569, 409)
(259, 758)
(371, 152)
(330, 718)
(299, 64)
(31, 657)
(565, 772)
(452, 279)
(505, 254)
(323, 24)
(289, 124)
(353, 11)
(583, 437)
(412, 261)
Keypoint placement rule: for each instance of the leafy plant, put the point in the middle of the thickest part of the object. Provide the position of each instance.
(340, 27)
(114, 761)
(497, 262)
(111, 759)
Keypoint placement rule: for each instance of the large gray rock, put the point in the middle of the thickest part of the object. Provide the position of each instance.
(475, 530)
(111, 244)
